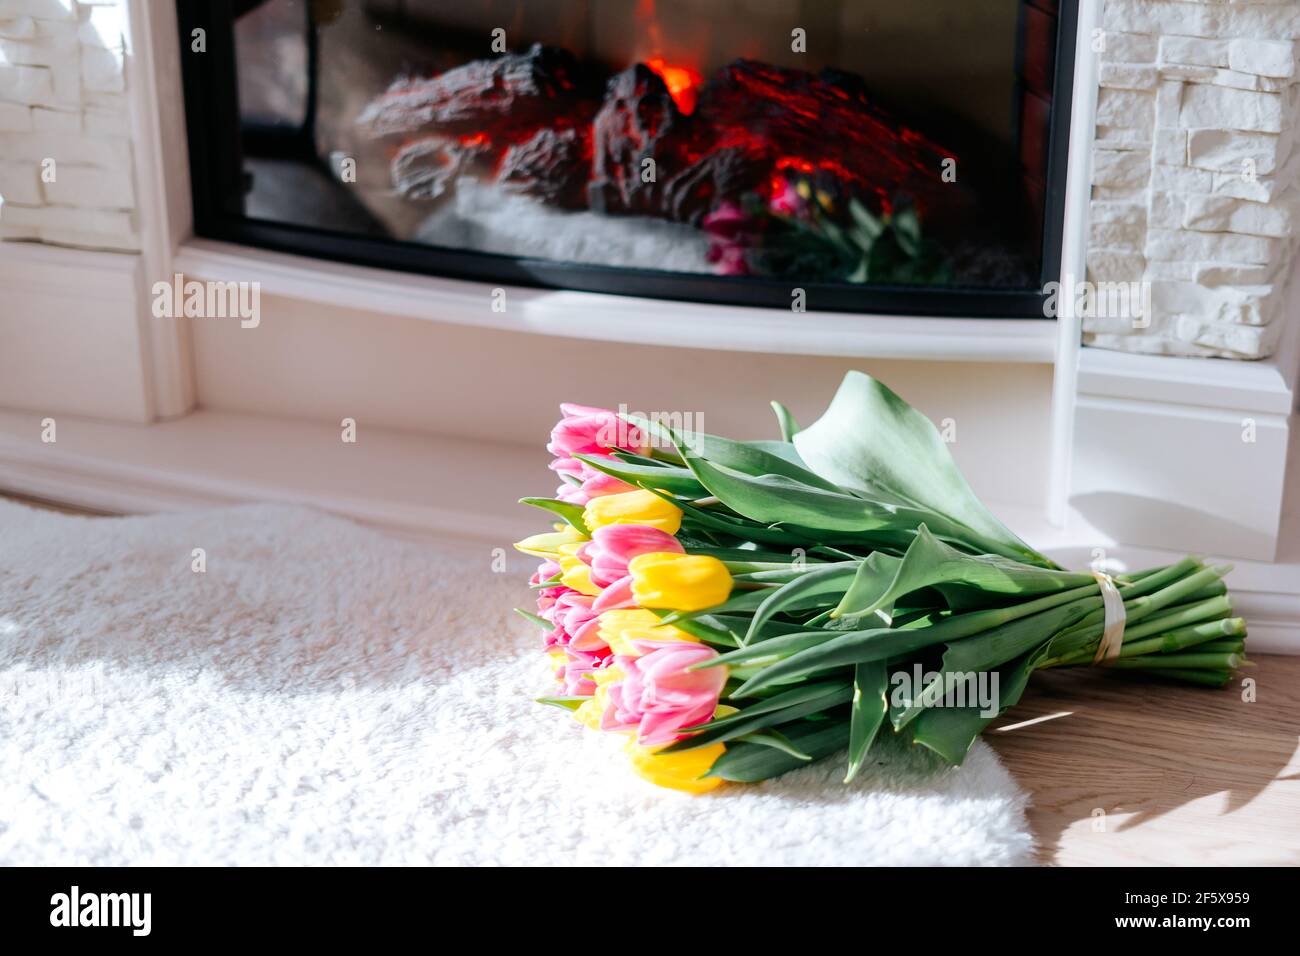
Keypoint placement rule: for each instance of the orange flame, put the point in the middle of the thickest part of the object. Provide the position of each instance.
(680, 80)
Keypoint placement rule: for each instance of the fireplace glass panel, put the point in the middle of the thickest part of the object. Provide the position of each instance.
(843, 145)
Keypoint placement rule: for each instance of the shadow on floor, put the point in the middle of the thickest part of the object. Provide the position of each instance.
(1137, 747)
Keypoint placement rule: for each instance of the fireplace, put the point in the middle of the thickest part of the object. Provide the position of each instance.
(848, 155)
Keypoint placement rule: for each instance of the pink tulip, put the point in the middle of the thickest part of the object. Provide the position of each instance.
(602, 484)
(587, 637)
(547, 571)
(576, 671)
(617, 595)
(572, 494)
(786, 200)
(728, 221)
(613, 546)
(658, 696)
(569, 613)
(593, 483)
(731, 232)
(593, 431)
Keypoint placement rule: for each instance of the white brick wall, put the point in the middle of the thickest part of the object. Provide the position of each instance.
(66, 173)
(1196, 184)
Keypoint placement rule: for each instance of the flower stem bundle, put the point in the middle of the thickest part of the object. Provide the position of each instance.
(739, 609)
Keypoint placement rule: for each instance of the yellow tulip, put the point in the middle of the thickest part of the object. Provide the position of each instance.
(574, 572)
(680, 582)
(619, 628)
(589, 712)
(632, 507)
(558, 660)
(551, 543)
(684, 770)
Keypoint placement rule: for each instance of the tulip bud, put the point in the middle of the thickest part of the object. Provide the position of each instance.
(592, 431)
(613, 546)
(622, 629)
(683, 770)
(679, 582)
(633, 507)
(660, 696)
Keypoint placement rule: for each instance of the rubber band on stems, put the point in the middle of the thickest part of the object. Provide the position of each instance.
(1112, 634)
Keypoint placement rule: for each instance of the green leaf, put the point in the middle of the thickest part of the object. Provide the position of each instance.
(743, 601)
(739, 555)
(764, 652)
(991, 650)
(884, 643)
(872, 580)
(749, 458)
(872, 442)
(749, 573)
(949, 731)
(871, 226)
(777, 499)
(677, 480)
(541, 622)
(704, 629)
(749, 763)
(907, 230)
(966, 581)
(868, 713)
(748, 720)
(777, 740)
(738, 527)
(781, 449)
(789, 427)
(831, 691)
(813, 588)
(566, 703)
(565, 509)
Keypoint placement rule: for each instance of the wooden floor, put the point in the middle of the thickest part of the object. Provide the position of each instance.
(1125, 770)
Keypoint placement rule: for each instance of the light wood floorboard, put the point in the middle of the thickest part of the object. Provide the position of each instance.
(1183, 775)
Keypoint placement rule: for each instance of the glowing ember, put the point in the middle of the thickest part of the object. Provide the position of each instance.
(681, 81)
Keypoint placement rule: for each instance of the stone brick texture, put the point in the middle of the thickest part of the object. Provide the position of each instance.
(1196, 181)
(66, 165)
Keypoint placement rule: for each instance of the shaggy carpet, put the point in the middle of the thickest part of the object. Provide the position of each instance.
(320, 693)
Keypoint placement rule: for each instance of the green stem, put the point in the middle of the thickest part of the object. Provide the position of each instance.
(1207, 678)
(1174, 594)
(1176, 640)
(1179, 662)
(1180, 616)
(1237, 646)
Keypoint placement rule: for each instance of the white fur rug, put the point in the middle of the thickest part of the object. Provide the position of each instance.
(324, 694)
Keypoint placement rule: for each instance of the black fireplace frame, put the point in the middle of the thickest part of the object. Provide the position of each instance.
(211, 109)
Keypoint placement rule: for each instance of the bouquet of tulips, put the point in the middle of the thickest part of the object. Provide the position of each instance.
(738, 609)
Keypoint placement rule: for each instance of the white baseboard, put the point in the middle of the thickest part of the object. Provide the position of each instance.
(400, 482)
(439, 487)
